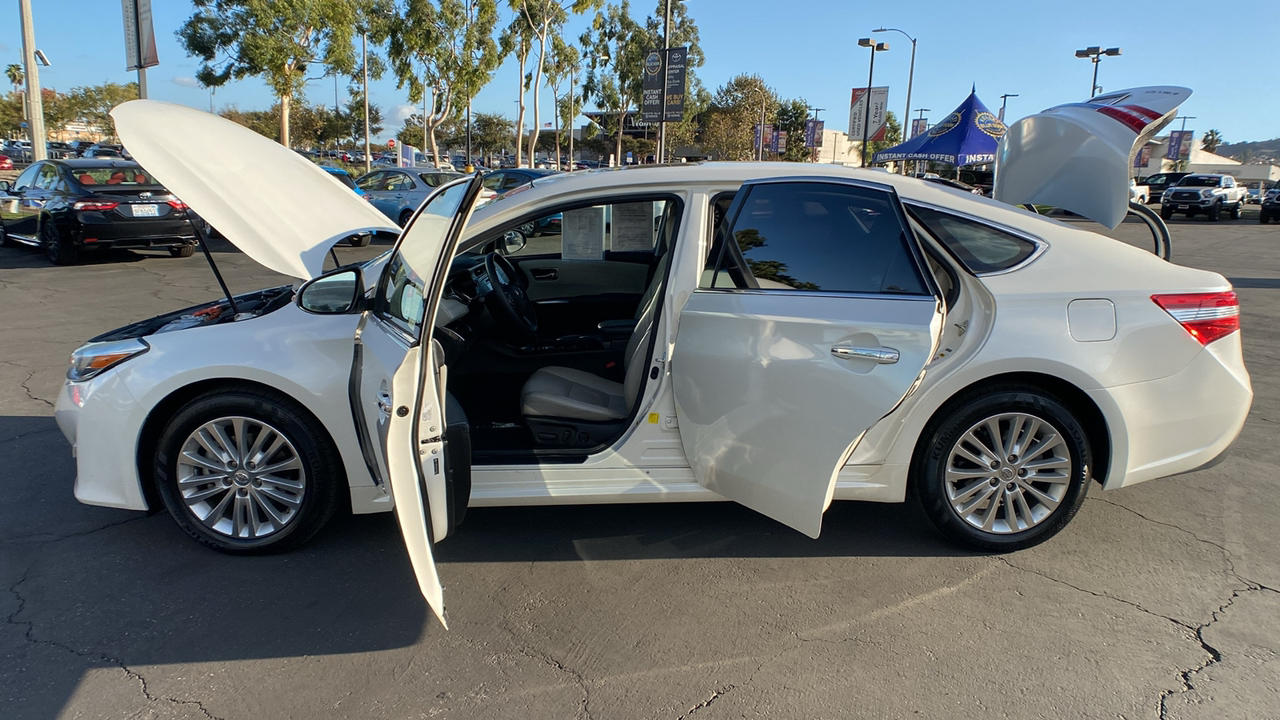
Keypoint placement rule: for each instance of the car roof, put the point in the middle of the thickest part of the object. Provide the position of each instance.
(90, 163)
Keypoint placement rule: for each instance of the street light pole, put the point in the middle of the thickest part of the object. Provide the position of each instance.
(666, 57)
(1094, 54)
(871, 72)
(35, 101)
(911, 76)
(1004, 100)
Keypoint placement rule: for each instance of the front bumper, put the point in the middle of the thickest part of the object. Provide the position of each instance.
(1181, 422)
(106, 467)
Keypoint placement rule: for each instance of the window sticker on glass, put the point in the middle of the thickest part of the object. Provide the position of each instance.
(411, 304)
(582, 234)
(632, 227)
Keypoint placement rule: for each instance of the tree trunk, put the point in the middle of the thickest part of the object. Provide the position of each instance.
(285, 101)
(537, 83)
(622, 119)
(523, 56)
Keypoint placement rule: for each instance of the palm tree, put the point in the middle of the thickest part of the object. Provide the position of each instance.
(15, 75)
(1211, 141)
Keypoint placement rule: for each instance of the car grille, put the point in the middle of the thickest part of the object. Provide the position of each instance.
(1186, 196)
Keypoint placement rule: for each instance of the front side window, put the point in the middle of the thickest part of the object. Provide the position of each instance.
(494, 181)
(408, 274)
(815, 237)
(371, 182)
(601, 231)
(27, 178)
(979, 247)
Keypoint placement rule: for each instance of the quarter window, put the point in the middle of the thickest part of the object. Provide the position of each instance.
(399, 181)
(816, 237)
(978, 246)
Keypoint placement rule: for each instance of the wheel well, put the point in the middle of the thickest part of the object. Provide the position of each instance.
(165, 410)
(1076, 400)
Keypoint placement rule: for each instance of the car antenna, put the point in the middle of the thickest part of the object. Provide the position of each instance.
(204, 247)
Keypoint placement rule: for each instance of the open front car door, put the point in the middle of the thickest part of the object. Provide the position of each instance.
(813, 319)
(397, 386)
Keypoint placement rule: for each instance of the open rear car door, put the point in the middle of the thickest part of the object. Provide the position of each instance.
(397, 388)
(778, 372)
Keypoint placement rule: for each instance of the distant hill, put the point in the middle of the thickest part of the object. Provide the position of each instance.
(1252, 152)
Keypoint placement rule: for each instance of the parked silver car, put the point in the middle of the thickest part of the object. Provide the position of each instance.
(398, 192)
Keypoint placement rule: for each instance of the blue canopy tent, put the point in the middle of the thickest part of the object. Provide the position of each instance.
(968, 136)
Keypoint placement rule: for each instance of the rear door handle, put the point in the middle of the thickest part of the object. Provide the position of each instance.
(544, 273)
(882, 355)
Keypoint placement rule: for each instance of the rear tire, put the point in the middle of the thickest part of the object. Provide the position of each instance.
(1040, 476)
(58, 249)
(182, 251)
(360, 240)
(220, 489)
(404, 218)
(1236, 209)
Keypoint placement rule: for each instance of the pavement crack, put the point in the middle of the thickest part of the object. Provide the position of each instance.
(1130, 603)
(581, 682)
(102, 658)
(27, 434)
(27, 387)
(48, 539)
(1215, 655)
(715, 695)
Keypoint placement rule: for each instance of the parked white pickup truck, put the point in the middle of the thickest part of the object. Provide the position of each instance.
(1208, 194)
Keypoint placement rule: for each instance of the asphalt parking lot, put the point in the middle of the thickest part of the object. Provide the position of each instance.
(1160, 600)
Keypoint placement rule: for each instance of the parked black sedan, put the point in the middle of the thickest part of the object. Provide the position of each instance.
(69, 206)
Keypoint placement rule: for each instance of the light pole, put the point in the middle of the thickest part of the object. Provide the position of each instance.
(364, 69)
(35, 101)
(760, 144)
(1004, 100)
(911, 76)
(1094, 54)
(817, 140)
(871, 72)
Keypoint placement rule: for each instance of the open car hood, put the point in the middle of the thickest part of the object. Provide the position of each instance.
(1079, 156)
(281, 209)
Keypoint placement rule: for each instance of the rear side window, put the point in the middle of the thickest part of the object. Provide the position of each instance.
(978, 246)
(816, 237)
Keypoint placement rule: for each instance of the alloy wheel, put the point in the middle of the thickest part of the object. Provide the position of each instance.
(1008, 473)
(241, 477)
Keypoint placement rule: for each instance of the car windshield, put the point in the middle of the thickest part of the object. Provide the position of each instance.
(90, 176)
(1199, 181)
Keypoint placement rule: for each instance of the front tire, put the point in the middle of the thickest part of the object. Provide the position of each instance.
(1166, 213)
(247, 470)
(1215, 212)
(1002, 469)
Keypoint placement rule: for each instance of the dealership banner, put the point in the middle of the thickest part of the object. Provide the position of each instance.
(1179, 145)
(139, 35)
(665, 75)
(813, 133)
(858, 113)
(919, 126)
(1142, 158)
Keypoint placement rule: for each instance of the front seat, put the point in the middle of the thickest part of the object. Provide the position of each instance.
(565, 406)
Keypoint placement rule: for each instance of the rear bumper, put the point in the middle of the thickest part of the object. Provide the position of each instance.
(136, 233)
(1181, 422)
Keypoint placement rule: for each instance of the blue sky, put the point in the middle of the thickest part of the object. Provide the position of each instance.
(807, 50)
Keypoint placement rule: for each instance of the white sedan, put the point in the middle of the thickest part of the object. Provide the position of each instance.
(780, 335)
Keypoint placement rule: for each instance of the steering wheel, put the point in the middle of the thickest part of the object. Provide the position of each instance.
(509, 293)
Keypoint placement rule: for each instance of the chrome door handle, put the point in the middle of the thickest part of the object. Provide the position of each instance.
(882, 355)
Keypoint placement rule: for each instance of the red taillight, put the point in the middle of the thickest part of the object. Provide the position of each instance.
(1207, 316)
(177, 204)
(95, 205)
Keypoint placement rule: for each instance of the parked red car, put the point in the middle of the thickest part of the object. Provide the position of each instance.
(5, 163)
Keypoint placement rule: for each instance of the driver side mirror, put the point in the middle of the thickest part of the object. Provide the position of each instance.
(511, 242)
(338, 292)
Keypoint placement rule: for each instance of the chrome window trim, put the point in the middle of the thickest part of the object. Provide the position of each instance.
(773, 292)
(1041, 244)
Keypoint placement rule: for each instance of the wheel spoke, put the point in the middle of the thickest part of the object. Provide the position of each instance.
(240, 515)
(270, 509)
(237, 426)
(968, 492)
(954, 474)
(966, 510)
(1045, 499)
(997, 442)
(983, 460)
(254, 453)
(218, 511)
(203, 463)
(1013, 446)
(220, 435)
(993, 509)
(1050, 441)
(196, 496)
(1019, 501)
(1028, 435)
(1048, 464)
(286, 499)
(290, 463)
(211, 445)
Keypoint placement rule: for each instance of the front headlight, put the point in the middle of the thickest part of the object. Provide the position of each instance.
(1206, 193)
(92, 359)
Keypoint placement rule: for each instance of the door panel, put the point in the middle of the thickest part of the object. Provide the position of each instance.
(773, 388)
(553, 278)
(400, 384)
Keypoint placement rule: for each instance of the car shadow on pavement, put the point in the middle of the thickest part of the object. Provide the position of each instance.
(26, 256)
(92, 587)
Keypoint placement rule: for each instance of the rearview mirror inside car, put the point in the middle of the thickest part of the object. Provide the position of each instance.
(336, 293)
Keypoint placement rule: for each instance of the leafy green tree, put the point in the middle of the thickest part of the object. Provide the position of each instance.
(274, 39)
(16, 76)
(491, 132)
(11, 114)
(264, 122)
(615, 47)
(443, 51)
(518, 39)
(351, 121)
(791, 118)
(736, 108)
(561, 69)
(92, 105)
(1211, 141)
(545, 20)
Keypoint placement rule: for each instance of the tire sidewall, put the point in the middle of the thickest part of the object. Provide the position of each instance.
(315, 453)
(934, 451)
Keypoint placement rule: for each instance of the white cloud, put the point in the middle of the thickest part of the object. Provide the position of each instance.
(186, 81)
(401, 112)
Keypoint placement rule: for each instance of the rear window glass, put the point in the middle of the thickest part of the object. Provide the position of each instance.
(980, 247)
(112, 176)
